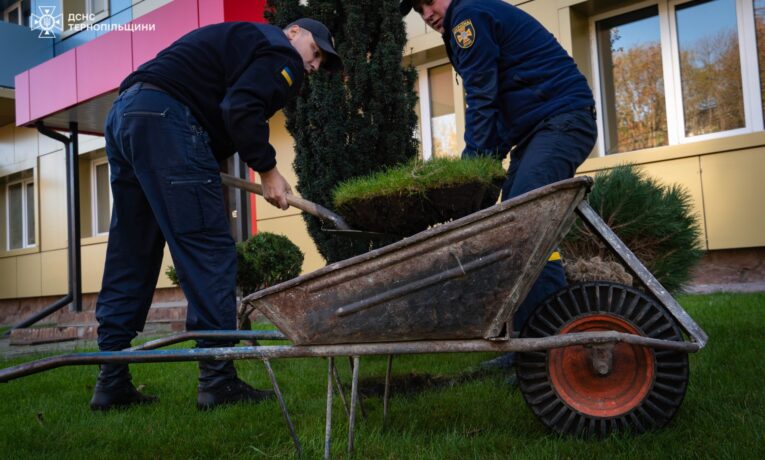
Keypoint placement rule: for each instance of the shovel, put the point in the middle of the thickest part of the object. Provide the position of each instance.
(316, 210)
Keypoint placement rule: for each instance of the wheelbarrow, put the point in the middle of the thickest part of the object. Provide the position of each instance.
(594, 359)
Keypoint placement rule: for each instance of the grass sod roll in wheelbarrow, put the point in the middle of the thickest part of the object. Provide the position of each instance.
(410, 198)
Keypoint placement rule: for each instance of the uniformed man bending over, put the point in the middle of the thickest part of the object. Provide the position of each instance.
(523, 91)
(206, 96)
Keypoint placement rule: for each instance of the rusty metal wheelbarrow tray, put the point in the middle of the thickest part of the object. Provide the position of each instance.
(459, 280)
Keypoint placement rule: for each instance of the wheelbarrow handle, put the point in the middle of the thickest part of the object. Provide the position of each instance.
(304, 205)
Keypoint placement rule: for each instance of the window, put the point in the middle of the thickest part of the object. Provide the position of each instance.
(709, 66)
(20, 214)
(102, 196)
(13, 14)
(438, 118)
(759, 27)
(83, 12)
(632, 81)
(673, 71)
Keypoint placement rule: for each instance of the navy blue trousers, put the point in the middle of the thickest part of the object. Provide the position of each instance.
(550, 153)
(166, 187)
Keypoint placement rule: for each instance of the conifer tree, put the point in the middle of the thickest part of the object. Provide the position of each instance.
(354, 123)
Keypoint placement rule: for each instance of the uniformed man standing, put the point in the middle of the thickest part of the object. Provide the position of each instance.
(523, 91)
(206, 96)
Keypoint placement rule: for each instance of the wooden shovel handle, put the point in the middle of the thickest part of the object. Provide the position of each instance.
(304, 205)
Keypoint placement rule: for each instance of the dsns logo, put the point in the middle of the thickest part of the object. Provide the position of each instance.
(46, 22)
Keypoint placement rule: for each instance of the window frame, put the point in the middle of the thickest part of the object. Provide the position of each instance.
(14, 6)
(94, 164)
(426, 128)
(24, 183)
(67, 32)
(673, 96)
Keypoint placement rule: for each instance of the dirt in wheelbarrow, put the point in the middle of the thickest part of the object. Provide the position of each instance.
(407, 214)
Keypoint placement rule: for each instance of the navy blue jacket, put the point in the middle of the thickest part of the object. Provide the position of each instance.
(233, 76)
(515, 72)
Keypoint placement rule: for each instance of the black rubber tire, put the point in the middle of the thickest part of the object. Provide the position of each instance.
(670, 368)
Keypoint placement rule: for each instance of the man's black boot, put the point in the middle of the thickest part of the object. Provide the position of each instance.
(114, 389)
(218, 384)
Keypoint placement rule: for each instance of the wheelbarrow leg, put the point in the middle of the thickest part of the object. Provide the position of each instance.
(340, 389)
(283, 406)
(386, 395)
(360, 396)
(330, 393)
(354, 400)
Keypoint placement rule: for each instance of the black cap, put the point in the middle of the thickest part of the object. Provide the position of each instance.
(405, 7)
(324, 40)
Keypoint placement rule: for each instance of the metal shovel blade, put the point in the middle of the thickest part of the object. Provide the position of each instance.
(325, 215)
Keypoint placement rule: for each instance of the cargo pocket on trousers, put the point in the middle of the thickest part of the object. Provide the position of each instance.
(192, 204)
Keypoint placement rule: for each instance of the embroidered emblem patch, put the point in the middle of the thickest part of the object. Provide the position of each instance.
(287, 74)
(464, 34)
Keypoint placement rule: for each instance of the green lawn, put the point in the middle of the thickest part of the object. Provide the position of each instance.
(723, 415)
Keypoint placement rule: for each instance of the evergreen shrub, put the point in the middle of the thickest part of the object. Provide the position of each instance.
(357, 122)
(655, 221)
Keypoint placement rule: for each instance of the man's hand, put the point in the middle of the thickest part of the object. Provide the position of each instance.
(275, 188)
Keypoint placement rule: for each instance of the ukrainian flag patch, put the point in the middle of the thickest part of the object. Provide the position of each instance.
(288, 77)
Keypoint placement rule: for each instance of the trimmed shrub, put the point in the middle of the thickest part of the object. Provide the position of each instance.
(263, 260)
(266, 259)
(655, 221)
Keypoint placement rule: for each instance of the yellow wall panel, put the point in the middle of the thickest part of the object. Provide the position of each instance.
(164, 281)
(6, 146)
(733, 197)
(415, 26)
(294, 228)
(86, 197)
(54, 277)
(90, 143)
(544, 11)
(285, 155)
(8, 277)
(685, 172)
(93, 257)
(26, 144)
(48, 145)
(52, 179)
(28, 280)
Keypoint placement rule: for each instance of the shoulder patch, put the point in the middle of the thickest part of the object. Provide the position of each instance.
(288, 77)
(464, 34)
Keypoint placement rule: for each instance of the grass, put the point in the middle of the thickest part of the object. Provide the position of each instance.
(723, 415)
(416, 177)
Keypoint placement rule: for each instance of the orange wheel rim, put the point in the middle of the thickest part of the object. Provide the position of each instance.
(578, 385)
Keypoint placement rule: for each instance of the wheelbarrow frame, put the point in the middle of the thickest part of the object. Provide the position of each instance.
(495, 341)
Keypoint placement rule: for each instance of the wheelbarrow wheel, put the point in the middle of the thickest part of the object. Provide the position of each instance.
(595, 391)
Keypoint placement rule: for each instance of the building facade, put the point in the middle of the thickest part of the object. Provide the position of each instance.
(678, 88)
